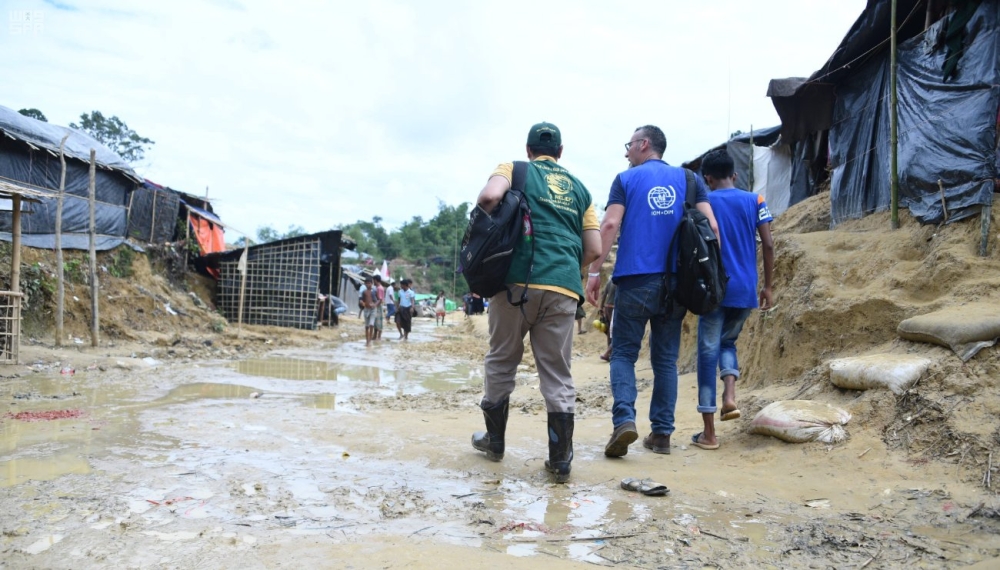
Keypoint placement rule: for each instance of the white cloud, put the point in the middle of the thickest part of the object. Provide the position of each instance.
(315, 115)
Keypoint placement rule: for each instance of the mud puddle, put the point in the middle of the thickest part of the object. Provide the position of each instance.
(271, 461)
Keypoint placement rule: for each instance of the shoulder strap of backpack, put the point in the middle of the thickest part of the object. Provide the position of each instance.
(690, 184)
(517, 183)
(519, 176)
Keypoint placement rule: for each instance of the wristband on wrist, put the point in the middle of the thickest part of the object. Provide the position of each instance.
(593, 275)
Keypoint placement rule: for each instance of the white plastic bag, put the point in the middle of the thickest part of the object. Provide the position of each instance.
(798, 421)
(897, 372)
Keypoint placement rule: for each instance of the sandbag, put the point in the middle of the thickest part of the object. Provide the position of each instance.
(897, 372)
(798, 421)
(966, 329)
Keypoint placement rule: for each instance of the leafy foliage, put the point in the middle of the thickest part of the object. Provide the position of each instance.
(267, 234)
(34, 114)
(121, 262)
(114, 134)
(431, 245)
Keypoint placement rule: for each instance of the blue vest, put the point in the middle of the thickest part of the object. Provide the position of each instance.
(654, 203)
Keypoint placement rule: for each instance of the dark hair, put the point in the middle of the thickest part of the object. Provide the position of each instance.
(717, 164)
(547, 150)
(657, 140)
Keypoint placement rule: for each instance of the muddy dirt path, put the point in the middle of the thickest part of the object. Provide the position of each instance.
(334, 455)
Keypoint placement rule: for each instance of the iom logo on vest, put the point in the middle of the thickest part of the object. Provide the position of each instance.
(661, 200)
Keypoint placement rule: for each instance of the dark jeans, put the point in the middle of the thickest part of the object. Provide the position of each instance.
(638, 303)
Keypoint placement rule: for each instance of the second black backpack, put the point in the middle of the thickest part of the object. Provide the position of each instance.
(488, 244)
(701, 277)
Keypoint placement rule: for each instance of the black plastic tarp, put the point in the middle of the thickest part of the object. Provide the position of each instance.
(25, 157)
(947, 130)
(152, 215)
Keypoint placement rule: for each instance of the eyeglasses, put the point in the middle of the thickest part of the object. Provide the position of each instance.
(628, 145)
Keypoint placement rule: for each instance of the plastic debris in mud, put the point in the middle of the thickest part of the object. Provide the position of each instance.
(46, 415)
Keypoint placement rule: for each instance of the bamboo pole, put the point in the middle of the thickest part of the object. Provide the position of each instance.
(187, 237)
(60, 290)
(152, 224)
(751, 181)
(94, 285)
(893, 122)
(15, 257)
(984, 227)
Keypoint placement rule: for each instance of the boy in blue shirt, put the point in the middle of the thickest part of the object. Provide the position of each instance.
(741, 216)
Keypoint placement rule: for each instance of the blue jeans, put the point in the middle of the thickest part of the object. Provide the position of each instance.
(717, 332)
(639, 302)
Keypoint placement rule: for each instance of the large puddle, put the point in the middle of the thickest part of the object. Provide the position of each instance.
(109, 411)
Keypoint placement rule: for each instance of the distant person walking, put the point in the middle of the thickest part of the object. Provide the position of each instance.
(379, 306)
(407, 304)
(368, 300)
(742, 216)
(439, 309)
(564, 232)
(390, 301)
(646, 203)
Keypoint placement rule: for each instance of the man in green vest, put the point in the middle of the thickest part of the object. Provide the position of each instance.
(566, 236)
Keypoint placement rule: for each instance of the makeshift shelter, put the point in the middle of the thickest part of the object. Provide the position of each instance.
(283, 279)
(29, 157)
(764, 165)
(155, 214)
(948, 70)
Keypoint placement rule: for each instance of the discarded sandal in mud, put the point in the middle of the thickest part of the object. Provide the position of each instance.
(644, 486)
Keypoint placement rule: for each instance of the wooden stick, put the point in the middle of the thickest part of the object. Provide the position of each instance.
(864, 452)
(15, 279)
(60, 290)
(15, 259)
(944, 205)
(152, 223)
(984, 228)
(94, 285)
(187, 238)
(870, 560)
(987, 477)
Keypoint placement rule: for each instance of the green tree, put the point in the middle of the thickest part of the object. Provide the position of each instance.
(266, 234)
(113, 133)
(34, 114)
(295, 231)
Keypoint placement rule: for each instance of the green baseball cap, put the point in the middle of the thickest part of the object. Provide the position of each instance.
(545, 135)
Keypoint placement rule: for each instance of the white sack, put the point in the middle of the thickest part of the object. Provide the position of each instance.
(798, 421)
(897, 372)
(966, 329)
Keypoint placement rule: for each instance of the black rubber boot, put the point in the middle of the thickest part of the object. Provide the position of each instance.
(491, 440)
(560, 445)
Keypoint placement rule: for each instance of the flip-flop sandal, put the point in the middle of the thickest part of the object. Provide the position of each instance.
(644, 486)
(733, 414)
(696, 443)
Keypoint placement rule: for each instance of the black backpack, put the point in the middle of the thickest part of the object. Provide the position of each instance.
(701, 277)
(488, 245)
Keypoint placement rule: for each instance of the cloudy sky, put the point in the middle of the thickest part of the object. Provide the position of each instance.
(316, 113)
